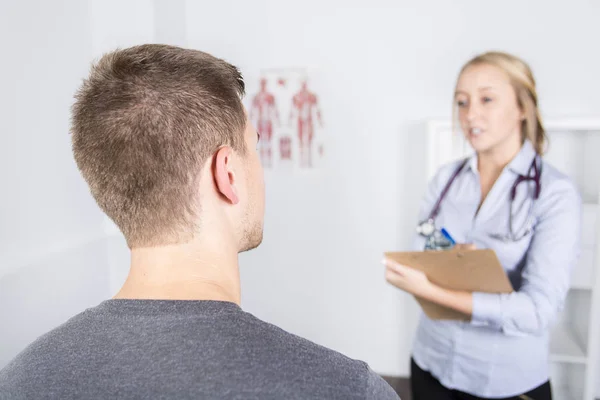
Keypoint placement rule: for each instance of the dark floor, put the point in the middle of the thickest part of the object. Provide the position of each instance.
(400, 385)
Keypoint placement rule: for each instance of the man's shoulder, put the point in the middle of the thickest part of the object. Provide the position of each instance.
(309, 358)
(36, 359)
(49, 340)
(280, 338)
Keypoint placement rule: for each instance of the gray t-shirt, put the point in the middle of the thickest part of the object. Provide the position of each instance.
(155, 349)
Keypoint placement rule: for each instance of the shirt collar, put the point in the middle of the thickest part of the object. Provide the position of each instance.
(520, 164)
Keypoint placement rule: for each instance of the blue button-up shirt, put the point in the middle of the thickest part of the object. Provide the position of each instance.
(503, 350)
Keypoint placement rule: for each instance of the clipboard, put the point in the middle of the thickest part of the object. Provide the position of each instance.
(468, 270)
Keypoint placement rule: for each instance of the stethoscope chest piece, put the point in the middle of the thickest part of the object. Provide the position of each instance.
(426, 228)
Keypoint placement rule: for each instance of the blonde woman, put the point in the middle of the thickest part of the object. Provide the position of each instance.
(507, 198)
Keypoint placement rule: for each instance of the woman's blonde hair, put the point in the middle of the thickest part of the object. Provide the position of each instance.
(523, 82)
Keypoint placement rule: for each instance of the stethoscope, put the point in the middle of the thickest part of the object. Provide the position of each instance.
(427, 227)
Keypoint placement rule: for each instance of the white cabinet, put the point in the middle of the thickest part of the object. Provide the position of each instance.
(574, 149)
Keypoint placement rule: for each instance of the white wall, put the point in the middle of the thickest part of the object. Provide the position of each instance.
(52, 263)
(169, 22)
(386, 66)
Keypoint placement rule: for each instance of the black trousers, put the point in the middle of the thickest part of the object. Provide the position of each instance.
(425, 387)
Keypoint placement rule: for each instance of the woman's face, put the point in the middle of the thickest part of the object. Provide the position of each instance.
(487, 109)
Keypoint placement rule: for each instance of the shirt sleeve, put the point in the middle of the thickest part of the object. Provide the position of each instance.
(553, 252)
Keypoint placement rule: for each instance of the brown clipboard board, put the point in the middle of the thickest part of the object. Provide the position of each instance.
(468, 270)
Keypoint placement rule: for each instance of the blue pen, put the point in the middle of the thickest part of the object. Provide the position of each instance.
(447, 236)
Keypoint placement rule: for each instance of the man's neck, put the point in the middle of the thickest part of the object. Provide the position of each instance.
(182, 272)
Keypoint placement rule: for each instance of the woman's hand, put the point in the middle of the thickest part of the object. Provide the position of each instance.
(416, 283)
(408, 279)
(412, 280)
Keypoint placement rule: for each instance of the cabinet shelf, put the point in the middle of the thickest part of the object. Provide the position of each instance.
(564, 347)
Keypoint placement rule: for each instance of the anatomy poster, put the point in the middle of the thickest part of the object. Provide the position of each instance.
(285, 108)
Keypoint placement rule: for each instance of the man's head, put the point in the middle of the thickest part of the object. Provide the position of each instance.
(163, 140)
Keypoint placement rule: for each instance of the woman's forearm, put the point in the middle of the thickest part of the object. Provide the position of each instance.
(457, 300)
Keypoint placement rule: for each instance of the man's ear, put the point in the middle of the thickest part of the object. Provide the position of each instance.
(224, 176)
